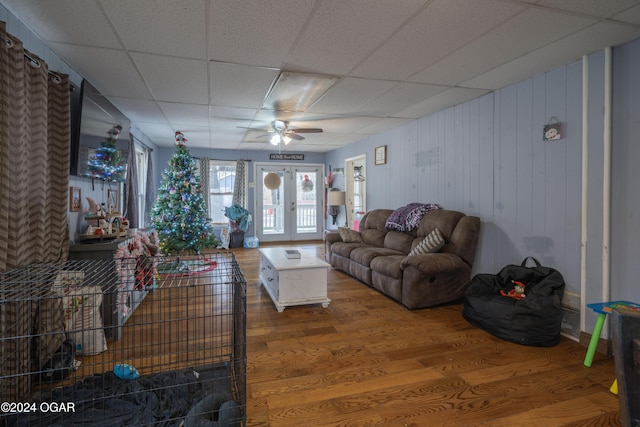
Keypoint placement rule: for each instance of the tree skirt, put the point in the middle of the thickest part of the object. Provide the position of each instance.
(178, 267)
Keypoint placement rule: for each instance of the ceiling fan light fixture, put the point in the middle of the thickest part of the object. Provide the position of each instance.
(279, 125)
(297, 91)
(275, 139)
(286, 140)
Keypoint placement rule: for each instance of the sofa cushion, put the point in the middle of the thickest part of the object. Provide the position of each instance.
(364, 256)
(399, 241)
(375, 219)
(373, 237)
(389, 266)
(344, 249)
(432, 243)
(443, 220)
(349, 236)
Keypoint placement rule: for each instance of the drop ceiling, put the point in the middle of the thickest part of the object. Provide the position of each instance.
(206, 67)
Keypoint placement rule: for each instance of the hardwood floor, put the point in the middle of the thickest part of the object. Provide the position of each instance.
(368, 361)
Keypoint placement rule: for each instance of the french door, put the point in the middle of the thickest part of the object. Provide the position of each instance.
(289, 204)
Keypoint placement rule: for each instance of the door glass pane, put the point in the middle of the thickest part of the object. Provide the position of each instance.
(273, 220)
(306, 203)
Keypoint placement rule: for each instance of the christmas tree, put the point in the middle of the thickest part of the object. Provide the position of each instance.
(108, 163)
(179, 213)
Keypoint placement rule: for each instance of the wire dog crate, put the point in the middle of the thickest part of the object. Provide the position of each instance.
(128, 341)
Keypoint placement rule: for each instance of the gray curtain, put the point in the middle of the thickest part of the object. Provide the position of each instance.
(239, 195)
(150, 191)
(34, 157)
(203, 165)
(131, 197)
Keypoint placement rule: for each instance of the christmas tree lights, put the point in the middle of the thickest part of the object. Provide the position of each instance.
(179, 213)
(108, 163)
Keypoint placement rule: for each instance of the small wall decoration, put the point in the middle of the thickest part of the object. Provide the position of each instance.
(381, 155)
(307, 184)
(274, 156)
(272, 181)
(552, 130)
(112, 200)
(75, 197)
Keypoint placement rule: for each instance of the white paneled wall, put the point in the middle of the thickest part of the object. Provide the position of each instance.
(486, 157)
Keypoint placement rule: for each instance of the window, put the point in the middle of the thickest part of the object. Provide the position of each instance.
(222, 179)
(141, 167)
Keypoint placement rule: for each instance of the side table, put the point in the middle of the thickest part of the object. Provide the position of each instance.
(603, 308)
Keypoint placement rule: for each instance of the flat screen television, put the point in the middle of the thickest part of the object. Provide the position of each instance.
(92, 117)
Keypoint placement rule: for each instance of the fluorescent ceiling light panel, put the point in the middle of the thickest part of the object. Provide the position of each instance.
(297, 91)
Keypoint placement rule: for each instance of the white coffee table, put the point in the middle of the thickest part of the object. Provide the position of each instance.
(293, 281)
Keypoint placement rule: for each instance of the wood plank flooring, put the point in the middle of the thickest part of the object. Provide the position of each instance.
(368, 361)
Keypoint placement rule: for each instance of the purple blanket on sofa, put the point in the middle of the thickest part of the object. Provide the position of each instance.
(408, 217)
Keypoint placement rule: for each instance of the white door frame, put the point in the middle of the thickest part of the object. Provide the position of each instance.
(289, 206)
(349, 186)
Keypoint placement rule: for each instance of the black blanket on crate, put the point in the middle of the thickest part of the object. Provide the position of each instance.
(164, 399)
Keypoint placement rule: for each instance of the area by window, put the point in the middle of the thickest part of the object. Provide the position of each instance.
(222, 179)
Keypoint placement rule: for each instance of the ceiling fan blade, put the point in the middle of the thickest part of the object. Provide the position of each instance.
(257, 129)
(295, 136)
(306, 130)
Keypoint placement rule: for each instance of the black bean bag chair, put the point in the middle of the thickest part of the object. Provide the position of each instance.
(495, 304)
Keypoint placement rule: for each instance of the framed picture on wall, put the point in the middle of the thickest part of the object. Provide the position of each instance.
(381, 155)
(75, 197)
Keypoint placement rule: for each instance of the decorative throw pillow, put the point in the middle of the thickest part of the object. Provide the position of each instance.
(432, 243)
(349, 236)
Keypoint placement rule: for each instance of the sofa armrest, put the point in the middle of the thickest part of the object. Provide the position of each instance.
(433, 279)
(434, 262)
(332, 237)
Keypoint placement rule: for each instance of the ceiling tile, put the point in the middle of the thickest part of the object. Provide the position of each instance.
(560, 53)
(90, 26)
(601, 8)
(173, 79)
(442, 27)
(141, 110)
(441, 101)
(399, 98)
(110, 71)
(178, 28)
(239, 85)
(232, 112)
(163, 135)
(349, 94)
(534, 28)
(262, 37)
(631, 16)
(337, 124)
(344, 33)
(190, 114)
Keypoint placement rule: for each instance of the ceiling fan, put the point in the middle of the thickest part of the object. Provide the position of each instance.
(280, 132)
